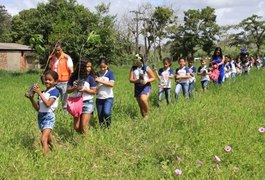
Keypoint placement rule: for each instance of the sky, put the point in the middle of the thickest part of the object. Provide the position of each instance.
(228, 11)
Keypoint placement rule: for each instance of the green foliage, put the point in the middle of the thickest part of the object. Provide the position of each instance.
(70, 23)
(5, 25)
(133, 148)
(162, 18)
(253, 30)
(197, 32)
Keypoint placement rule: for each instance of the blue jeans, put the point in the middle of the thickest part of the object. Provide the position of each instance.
(167, 94)
(182, 86)
(191, 87)
(104, 107)
(62, 86)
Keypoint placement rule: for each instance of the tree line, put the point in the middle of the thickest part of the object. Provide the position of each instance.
(93, 34)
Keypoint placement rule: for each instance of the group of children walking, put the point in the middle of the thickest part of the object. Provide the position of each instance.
(85, 83)
(92, 83)
(220, 68)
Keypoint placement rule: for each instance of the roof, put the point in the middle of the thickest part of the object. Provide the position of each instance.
(14, 47)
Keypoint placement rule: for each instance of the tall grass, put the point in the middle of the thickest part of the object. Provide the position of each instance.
(133, 148)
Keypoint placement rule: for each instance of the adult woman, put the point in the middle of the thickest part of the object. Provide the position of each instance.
(142, 76)
(218, 58)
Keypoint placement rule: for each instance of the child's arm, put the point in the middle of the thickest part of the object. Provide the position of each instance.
(47, 102)
(151, 75)
(71, 89)
(89, 91)
(106, 83)
(33, 102)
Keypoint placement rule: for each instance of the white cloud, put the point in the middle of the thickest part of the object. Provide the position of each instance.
(227, 11)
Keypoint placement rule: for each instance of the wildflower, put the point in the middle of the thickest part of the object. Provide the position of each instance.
(228, 148)
(217, 159)
(178, 172)
(261, 129)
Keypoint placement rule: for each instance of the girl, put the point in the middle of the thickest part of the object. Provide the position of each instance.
(218, 58)
(227, 67)
(238, 66)
(46, 104)
(142, 76)
(165, 74)
(104, 101)
(182, 78)
(83, 73)
(204, 73)
(192, 79)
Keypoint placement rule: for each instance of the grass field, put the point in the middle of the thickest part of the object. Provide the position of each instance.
(174, 137)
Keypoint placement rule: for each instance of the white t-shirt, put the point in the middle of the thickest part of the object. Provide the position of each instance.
(202, 70)
(105, 92)
(183, 72)
(51, 93)
(69, 63)
(164, 74)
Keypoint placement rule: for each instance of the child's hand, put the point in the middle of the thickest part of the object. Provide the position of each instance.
(36, 89)
(143, 82)
(27, 95)
(81, 90)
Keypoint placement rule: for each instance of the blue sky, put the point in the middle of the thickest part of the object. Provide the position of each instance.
(227, 11)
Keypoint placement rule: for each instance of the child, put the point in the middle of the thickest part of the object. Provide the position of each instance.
(204, 73)
(192, 79)
(142, 76)
(238, 66)
(47, 103)
(246, 66)
(165, 74)
(104, 101)
(182, 78)
(227, 68)
(258, 62)
(233, 67)
(83, 73)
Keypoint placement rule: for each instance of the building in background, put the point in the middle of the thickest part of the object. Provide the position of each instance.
(16, 57)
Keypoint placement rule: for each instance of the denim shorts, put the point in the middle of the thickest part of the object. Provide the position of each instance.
(88, 107)
(46, 120)
(138, 91)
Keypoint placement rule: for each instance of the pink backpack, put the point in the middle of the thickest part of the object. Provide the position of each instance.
(214, 74)
(75, 105)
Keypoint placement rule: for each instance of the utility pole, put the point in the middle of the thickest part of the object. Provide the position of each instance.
(137, 30)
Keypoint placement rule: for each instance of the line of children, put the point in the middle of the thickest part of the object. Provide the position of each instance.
(101, 84)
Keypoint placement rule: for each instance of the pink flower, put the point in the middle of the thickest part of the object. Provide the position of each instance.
(261, 129)
(217, 159)
(228, 148)
(178, 172)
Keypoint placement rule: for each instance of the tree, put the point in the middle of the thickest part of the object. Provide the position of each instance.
(161, 19)
(72, 24)
(198, 32)
(5, 25)
(253, 30)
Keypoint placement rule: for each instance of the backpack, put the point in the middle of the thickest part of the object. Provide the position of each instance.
(214, 74)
